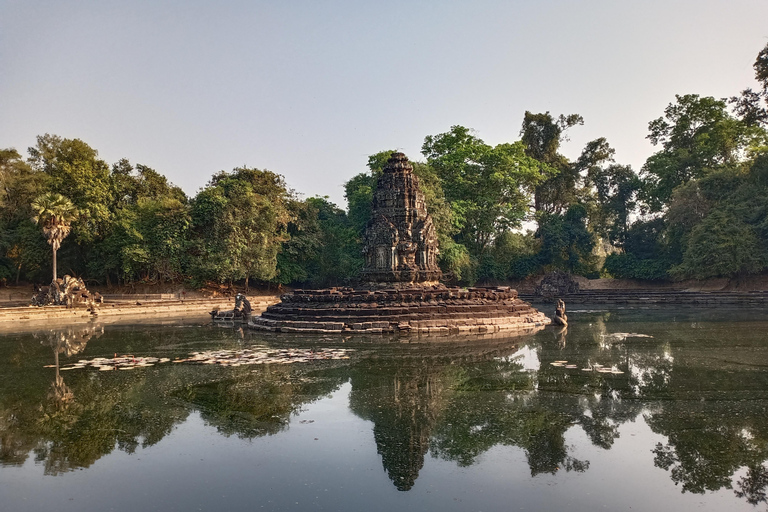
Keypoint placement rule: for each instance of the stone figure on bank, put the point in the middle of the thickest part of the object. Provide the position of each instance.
(69, 291)
(242, 311)
(560, 318)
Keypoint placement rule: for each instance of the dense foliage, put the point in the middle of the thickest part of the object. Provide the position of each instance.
(698, 208)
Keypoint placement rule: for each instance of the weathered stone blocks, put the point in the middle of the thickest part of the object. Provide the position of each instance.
(491, 310)
(402, 293)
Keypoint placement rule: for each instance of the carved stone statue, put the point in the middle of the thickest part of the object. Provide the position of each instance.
(242, 304)
(560, 318)
(70, 292)
(400, 244)
(241, 313)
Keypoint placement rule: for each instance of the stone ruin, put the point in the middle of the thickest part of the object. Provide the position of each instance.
(401, 292)
(400, 243)
(241, 313)
(69, 291)
(557, 284)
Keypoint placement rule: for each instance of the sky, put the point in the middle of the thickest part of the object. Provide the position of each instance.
(310, 89)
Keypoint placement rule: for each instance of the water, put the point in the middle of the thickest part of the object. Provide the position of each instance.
(466, 424)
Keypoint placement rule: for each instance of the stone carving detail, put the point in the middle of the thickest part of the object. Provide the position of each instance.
(560, 317)
(557, 283)
(70, 292)
(400, 243)
(241, 313)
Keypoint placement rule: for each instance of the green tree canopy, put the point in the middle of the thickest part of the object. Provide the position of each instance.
(697, 134)
(752, 106)
(488, 188)
(324, 247)
(721, 245)
(76, 172)
(566, 242)
(21, 249)
(239, 223)
(542, 135)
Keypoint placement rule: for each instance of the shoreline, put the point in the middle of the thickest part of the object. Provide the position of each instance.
(14, 318)
(648, 297)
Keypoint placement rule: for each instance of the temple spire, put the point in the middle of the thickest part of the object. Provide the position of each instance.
(400, 244)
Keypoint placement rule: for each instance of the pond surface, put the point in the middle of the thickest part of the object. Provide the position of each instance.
(663, 409)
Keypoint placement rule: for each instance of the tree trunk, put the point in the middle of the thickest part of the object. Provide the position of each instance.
(54, 265)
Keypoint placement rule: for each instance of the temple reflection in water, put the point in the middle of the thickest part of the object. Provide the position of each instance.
(453, 401)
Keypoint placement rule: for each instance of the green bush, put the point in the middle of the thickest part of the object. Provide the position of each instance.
(629, 266)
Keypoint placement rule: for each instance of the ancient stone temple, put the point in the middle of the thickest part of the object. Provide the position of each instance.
(400, 240)
(400, 290)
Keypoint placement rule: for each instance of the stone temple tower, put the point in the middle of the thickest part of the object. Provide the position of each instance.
(401, 290)
(400, 244)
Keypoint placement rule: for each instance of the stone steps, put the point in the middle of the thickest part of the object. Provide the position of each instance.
(448, 311)
(433, 326)
(140, 296)
(47, 314)
(649, 297)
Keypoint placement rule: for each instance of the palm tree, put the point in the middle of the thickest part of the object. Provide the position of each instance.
(55, 214)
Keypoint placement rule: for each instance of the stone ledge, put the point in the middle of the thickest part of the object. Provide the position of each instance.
(516, 320)
(47, 314)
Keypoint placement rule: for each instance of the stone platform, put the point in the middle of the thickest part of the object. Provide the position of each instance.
(13, 317)
(400, 288)
(419, 309)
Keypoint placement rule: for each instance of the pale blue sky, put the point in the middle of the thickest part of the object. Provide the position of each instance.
(309, 89)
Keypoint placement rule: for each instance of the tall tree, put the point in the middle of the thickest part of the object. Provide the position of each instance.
(76, 171)
(697, 135)
(542, 135)
(19, 185)
(21, 251)
(55, 213)
(358, 192)
(752, 106)
(324, 247)
(239, 223)
(566, 243)
(488, 188)
(148, 231)
(617, 188)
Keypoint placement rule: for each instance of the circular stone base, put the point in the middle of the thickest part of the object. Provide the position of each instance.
(424, 309)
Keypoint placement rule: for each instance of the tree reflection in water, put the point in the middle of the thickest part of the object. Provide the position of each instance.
(68, 341)
(252, 404)
(454, 400)
(73, 425)
(752, 486)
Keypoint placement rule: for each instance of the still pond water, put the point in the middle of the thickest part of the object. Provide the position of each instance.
(673, 415)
